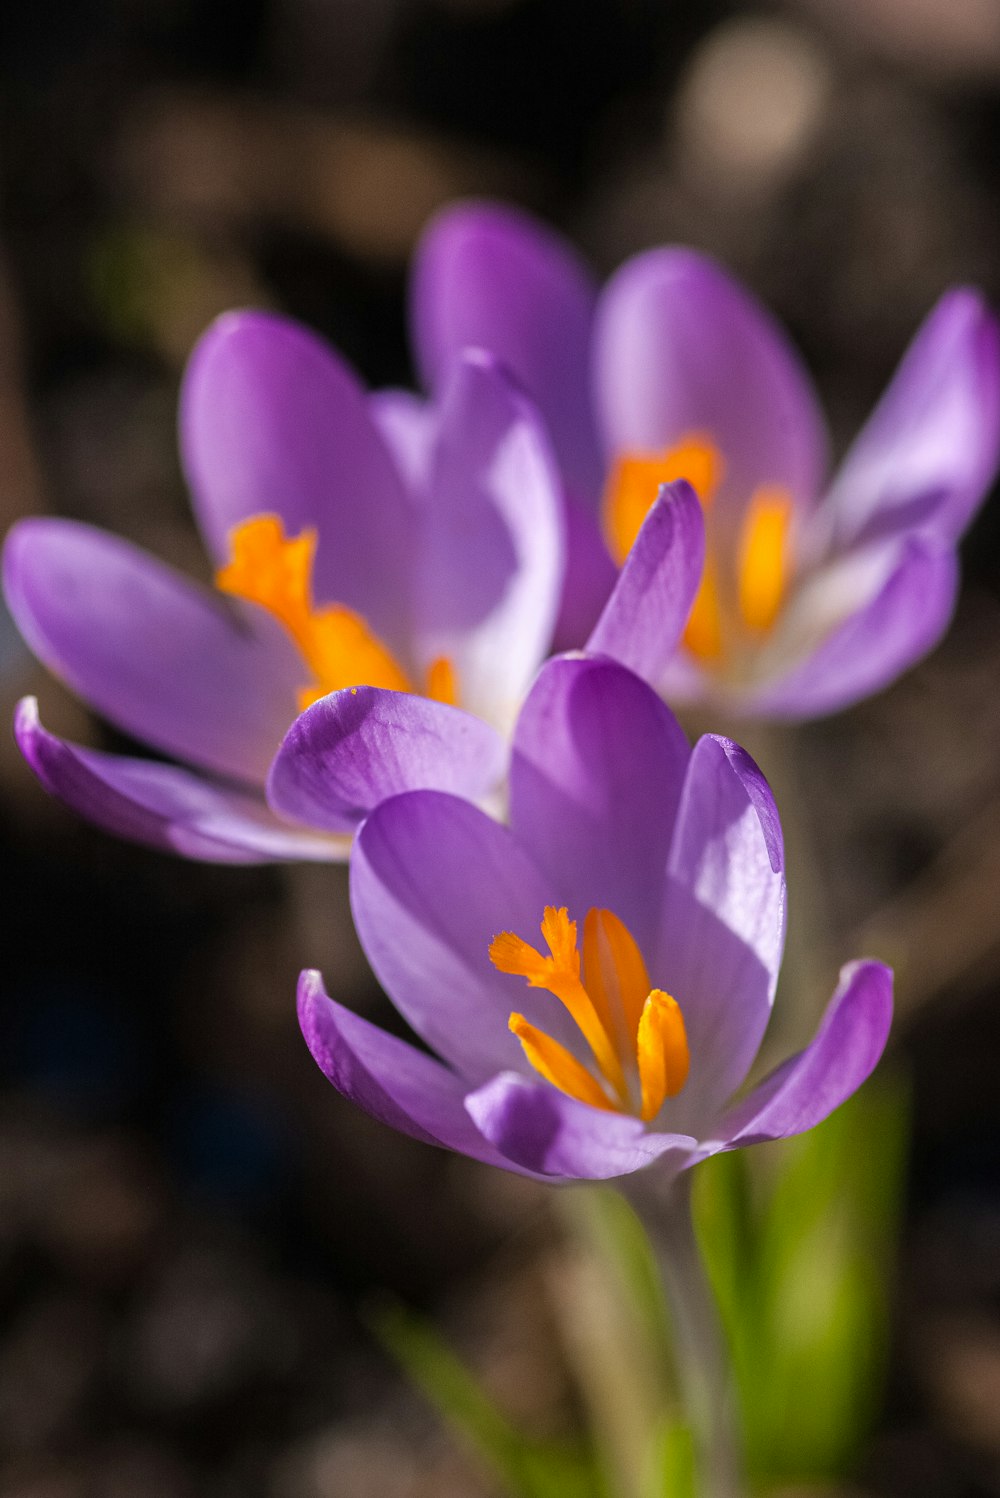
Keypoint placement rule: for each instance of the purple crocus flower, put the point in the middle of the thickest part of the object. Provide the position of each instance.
(816, 591)
(337, 566)
(617, 1039)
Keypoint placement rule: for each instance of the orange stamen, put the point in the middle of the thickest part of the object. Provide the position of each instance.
(560, 974)
(342, 650)
(703, 631)
(615, 976)
(632, 1030)
(442, 681)
(274, 571)
(725, 607)
(636, 479)
(557, 1065)
(662, 1052)
(763, 565)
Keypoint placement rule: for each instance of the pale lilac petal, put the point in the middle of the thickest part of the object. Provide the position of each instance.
(433, 880)
(681, 349)
(723, 921)
(389, 1078)
(542, 1130)
(489, 276)
(491, 546)
(171, 663)
(808, 1087)
(889, 630)
(589, 578)
(273, 421)
(596, 776)
(408, 425)
(355, 748)
(683, 680)
(646, 614)
(164, 806)
(929, 452)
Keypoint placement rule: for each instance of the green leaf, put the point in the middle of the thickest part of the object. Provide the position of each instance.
(604, 1219)
(526, 1468)
(614, 1332)
(798, 1240)
(676, 1473)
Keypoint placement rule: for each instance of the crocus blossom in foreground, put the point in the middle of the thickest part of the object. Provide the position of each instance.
(812, 597)
(335, 566)
(596, 977)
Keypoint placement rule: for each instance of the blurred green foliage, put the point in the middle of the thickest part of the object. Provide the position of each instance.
(799, 1243)
(527, 1468)
(637, 1402)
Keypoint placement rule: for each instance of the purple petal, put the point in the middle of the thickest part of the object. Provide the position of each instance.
(163, 806)
(596, 777)
(355, 748)
(544, 1131)
(723, 921)
(408, 426)
(488, 276)
(929, 452)
(590, 575)
(646, 614)
(491, 546)
(168, 661)
(682, 349)
(273, 421)
(806, 1088)
(389, 1078)
(890, 629)
(433, 880)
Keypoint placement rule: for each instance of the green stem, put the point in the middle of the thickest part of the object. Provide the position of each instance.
(702, 1356)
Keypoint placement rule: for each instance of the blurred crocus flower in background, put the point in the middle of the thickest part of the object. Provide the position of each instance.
(338, 567)
(655, 872)
(812, 596)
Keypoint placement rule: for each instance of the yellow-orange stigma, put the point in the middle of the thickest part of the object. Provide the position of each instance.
(275, 571)
(635, 1034)
(730, 605)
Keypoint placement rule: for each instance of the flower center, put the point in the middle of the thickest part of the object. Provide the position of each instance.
(742, 592)
(638, 1044)
(338, 647)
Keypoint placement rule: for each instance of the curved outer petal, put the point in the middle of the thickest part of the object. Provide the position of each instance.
(433, 880)
(355, 748)
(542, 1130)
(596, 776)
(929, 451)
(885, 635)
(491, 543)
(273, 421)
(490, 276)
(170, 662)
(806, 1088)
(163, 806)
(680, 348)
(723, 923)
(645, 616)
(389, 1078)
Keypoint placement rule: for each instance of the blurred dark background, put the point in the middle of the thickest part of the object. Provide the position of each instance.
(192, 1225)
